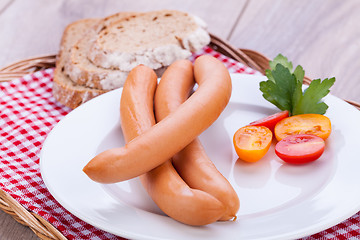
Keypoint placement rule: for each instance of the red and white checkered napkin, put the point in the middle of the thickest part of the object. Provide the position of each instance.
(28, 113)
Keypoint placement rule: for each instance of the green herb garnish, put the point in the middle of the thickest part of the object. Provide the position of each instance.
(284, 88)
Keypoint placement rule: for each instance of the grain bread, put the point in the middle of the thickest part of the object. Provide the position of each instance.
(83, 72)
(155, 39)
(64, 90)
(169, 35)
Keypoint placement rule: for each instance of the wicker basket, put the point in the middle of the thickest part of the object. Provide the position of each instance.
(42, 228)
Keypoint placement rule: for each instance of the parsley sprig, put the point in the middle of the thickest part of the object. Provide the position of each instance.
(284, 88)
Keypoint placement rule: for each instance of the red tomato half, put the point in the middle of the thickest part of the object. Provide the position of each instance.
(270, 121)
(299, 149)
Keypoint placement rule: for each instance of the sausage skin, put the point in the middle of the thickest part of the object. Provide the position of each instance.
(163, 140)
(164, 185)
(192, 163)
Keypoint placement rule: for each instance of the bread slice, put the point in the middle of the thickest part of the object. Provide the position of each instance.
(83, 72)
(77, 79)
(155, 39)
(64, 90)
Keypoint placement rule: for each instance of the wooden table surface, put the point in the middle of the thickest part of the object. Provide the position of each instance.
(322, 36)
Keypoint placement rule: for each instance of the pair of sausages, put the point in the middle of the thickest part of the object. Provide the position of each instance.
(200, 194)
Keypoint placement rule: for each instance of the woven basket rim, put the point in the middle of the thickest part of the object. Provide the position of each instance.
(42, 228)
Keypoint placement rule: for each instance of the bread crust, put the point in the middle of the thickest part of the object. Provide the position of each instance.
(64, 90)
(71, 95)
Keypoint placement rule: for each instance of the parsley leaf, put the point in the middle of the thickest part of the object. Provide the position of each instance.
(279, 90)
(280, 59)
(310, 100)
(284, 88)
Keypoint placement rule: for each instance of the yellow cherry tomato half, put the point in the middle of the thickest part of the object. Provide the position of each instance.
(315, 124)
(252, 142)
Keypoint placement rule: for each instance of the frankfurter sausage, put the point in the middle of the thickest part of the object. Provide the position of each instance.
(192, 163)
(199, 172)
(163, 140)
(163, 184)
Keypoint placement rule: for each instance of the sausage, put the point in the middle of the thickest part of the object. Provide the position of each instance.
(192, 163)
(176, 199)
(164, 185)
(199, 172)
(166, 138)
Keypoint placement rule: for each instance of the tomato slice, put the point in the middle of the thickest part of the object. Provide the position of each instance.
(315, 124)
(252, 142)
(299, 149)
(271, 121)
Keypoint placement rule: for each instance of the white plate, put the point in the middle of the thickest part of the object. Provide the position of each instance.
(278, 201)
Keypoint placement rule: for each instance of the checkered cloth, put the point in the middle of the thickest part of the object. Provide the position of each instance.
(28, 113)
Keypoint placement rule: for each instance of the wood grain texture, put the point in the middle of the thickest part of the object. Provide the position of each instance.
(4, 4)
(322, 36)
(12, 230)
(35, 27)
